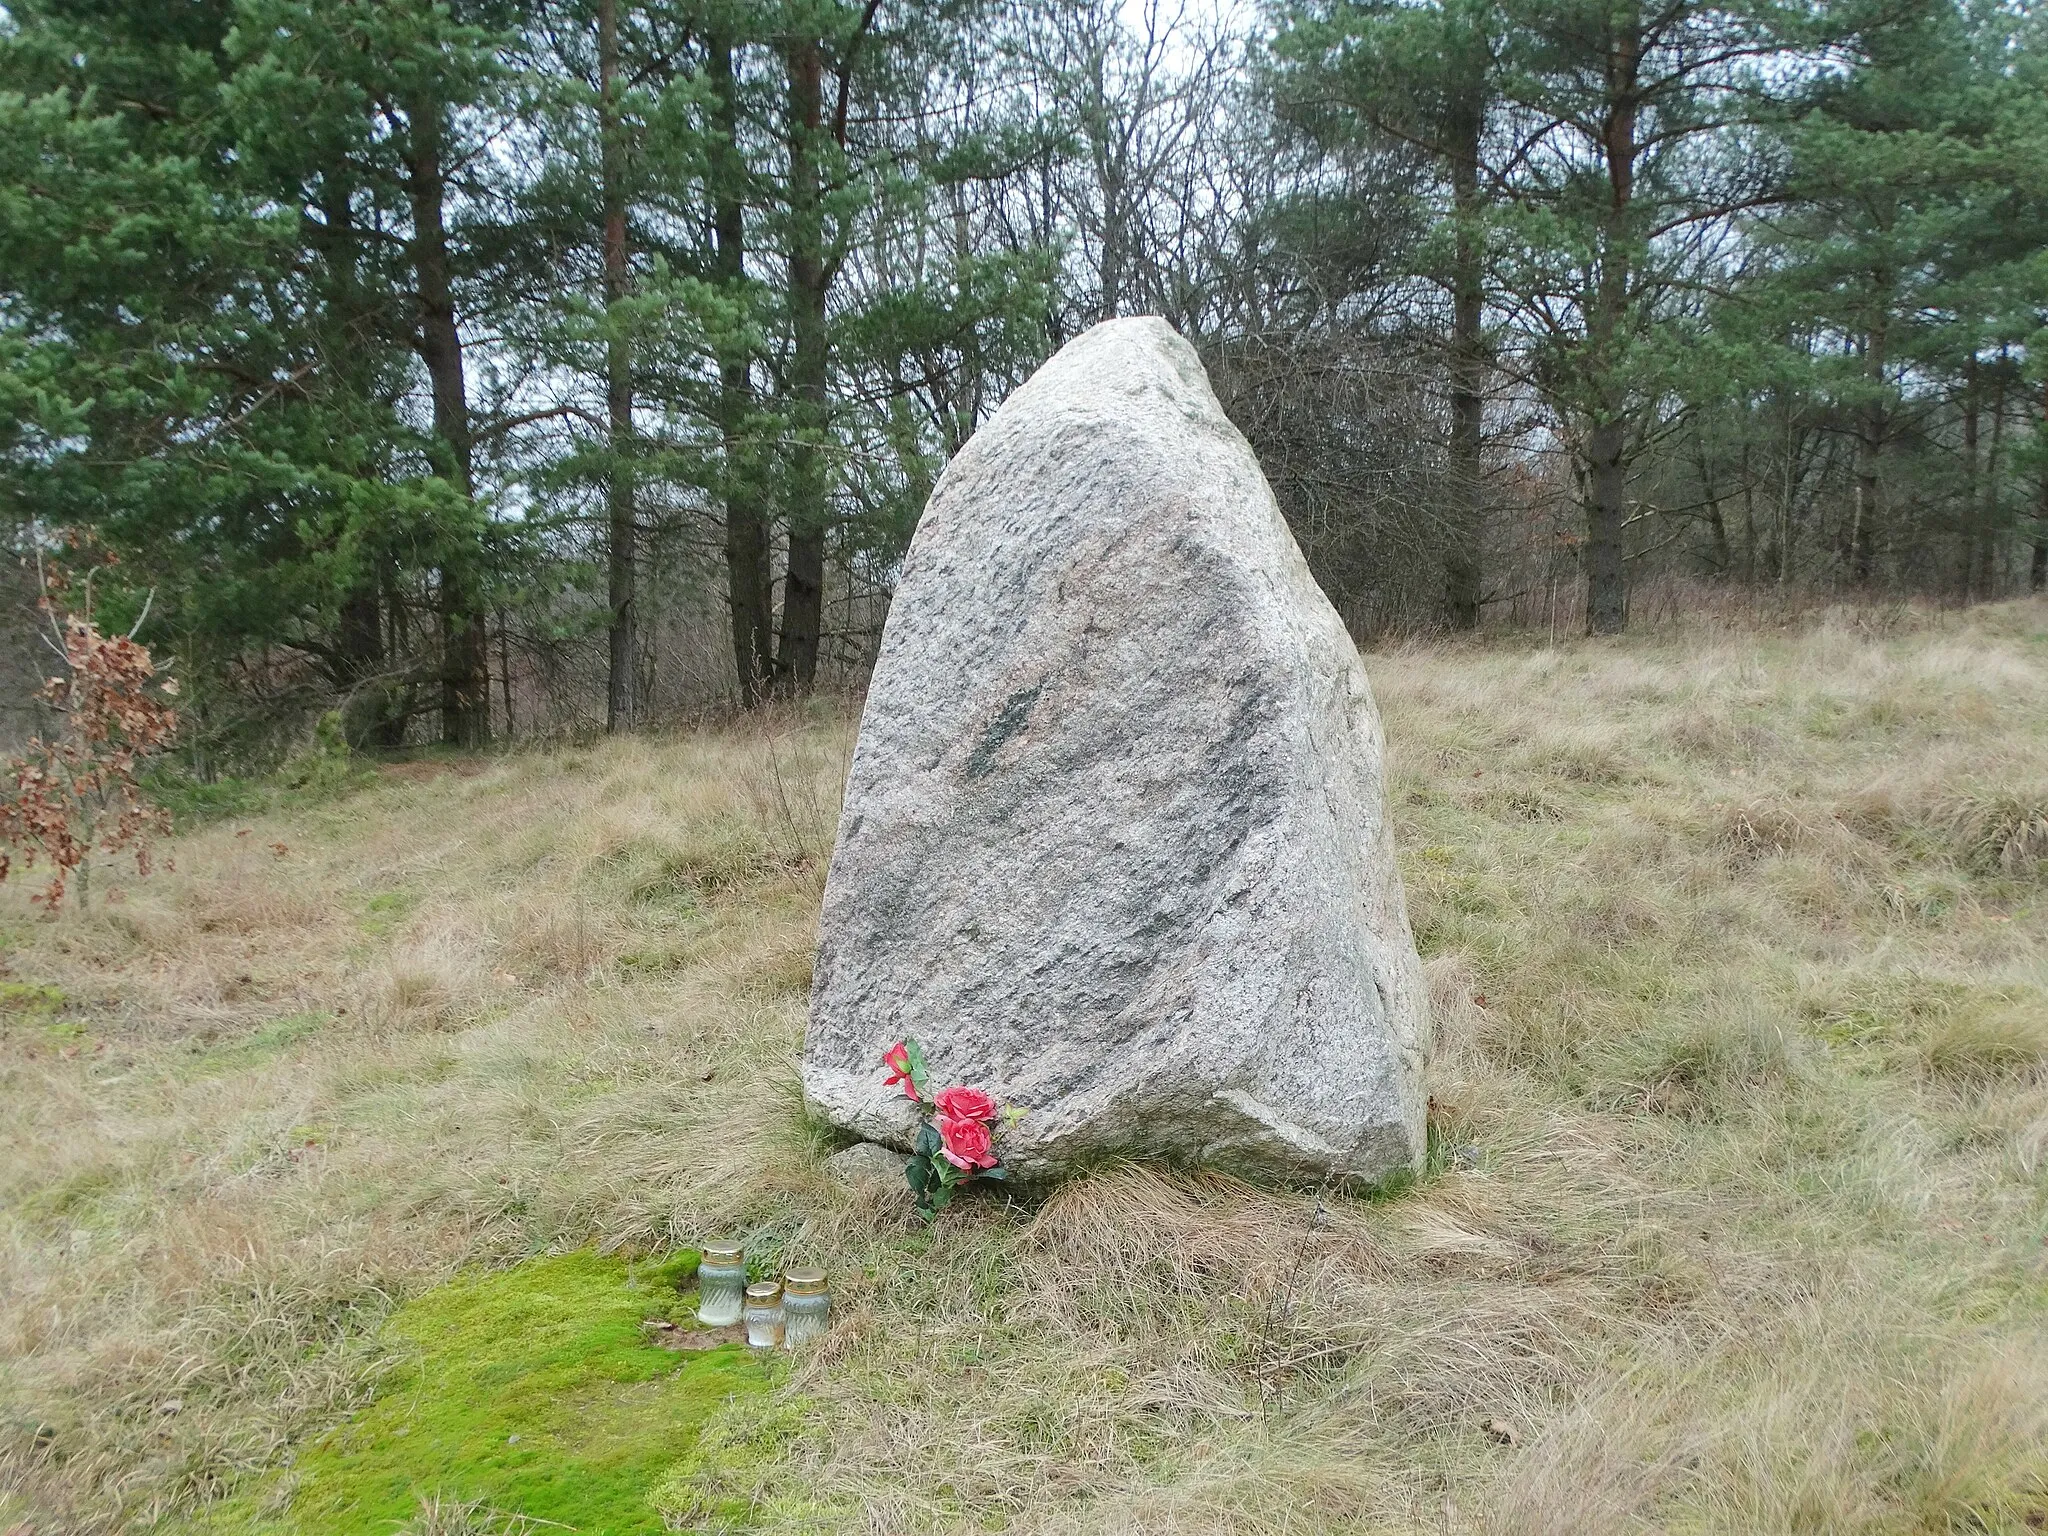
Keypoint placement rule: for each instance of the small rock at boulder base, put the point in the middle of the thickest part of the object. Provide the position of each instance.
(1114, 845)
(867, 1166)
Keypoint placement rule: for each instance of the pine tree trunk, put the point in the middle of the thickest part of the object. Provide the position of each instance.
(1606, 513)
(1988, 551)
(360, 656)
(505, 675)
(374, 712)
(621, 702)
(2037, 574)
(803, 584)
(1717, 525)
(1607, 441)
(359, 645)
(1972, 519)
(465, 655)
(1870, 436)
(749, 594)
(1748, 519)
(1468, 375)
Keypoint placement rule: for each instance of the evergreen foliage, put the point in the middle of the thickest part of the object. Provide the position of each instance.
(453, 364)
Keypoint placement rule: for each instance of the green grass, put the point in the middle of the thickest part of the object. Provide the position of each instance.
(34, 999)
(386, 910)
(259, 1046)
(532, 1392)
(320, 771)
(195, 802)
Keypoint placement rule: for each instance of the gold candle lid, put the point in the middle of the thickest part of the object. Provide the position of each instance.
(724, 1252)
(764, 1290)
(804, 1282)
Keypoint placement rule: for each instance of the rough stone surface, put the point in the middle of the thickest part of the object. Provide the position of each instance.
(867, 1166)
(1114, 844)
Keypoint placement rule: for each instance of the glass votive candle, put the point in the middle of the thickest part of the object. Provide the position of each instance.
(721, 1284)
(806, 1305)
(764, 1314)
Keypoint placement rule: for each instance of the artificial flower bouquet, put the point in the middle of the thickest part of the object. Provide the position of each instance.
(956, 1142)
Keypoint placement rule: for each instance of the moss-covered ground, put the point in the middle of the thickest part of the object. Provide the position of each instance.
(534, 1394)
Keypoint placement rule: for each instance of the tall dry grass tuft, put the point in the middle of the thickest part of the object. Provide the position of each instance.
(2003, 828)
(1737, 951)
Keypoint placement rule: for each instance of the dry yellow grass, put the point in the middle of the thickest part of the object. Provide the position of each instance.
(1739, 1218)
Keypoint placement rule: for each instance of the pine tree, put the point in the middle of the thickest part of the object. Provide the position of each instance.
(1425, 77)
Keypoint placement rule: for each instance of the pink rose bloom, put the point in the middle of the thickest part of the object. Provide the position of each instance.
(966, 1143)
(897, 1060)
(965, 1104)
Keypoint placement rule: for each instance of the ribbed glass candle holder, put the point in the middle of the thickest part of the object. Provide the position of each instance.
(806, 1307)
(721, 1284)
(764, 1314)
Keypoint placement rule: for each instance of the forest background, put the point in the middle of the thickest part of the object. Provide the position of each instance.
(516, 367)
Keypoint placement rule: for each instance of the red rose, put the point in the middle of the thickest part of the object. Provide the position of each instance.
(965, 1104)
(966, 1143)
(897, 1060)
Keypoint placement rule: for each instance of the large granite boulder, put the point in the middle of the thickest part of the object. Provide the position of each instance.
(1115, 844)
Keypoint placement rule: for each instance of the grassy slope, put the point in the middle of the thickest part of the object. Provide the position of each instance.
(1740, 951)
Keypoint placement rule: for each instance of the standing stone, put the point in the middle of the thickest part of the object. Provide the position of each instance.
(1114, 845)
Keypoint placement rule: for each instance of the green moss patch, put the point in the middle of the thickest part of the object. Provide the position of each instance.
(256, 1047)
(536, 1392)
(34, 998)
(385, 911)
